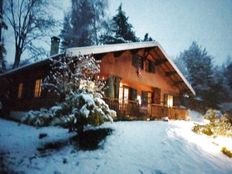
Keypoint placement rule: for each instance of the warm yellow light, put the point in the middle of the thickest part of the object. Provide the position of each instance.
(120, 84)
(170, 101)
(38, 88)
(20, 90)
(120, 96)
(89, 85)
(92, 85)
(126, 95)
(139, 99)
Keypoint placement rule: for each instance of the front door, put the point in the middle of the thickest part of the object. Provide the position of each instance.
(146, 100)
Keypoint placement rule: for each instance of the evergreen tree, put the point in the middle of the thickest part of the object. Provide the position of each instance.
(219, 91)
(200, 74)
(83, 23)
(120, 30)
(147, 38)
(227, 71)
(199, 65)
(180, 63)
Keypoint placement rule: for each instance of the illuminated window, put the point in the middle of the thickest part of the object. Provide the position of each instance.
(38, 88)
(126, 95)
(170, 101)
(139, 99)
(123, 94)
(20, 90)
(120, 97)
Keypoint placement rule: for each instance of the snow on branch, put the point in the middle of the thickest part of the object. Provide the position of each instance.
(69, 74)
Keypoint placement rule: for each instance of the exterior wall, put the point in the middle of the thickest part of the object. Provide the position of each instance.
(122, 66)
(117, 65)
(27, 101)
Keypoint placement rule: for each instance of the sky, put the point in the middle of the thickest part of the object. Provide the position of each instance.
(175, 24)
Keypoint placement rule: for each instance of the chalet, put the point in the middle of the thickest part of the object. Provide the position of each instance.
(142, 81)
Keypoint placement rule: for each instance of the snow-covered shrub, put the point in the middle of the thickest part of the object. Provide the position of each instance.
(74, 79)
(212, 114)
(77, 111)
(219, 124)
(38, 118)
(203, 129)
(88, 110)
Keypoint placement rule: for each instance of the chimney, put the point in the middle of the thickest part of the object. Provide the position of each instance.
(55, 42)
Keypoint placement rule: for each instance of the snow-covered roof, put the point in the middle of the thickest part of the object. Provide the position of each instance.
(109, 48)
(123, 47)
(99, 49)
(28, 65)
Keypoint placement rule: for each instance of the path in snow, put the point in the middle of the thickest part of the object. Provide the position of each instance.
(154, 147)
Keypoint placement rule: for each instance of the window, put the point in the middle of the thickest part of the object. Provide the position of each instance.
(146, 98)
(149, 66)
(126, 95)
(149, 97)
(123, 94)
(170, 101)
(38, 88)
(20, 90)
(132, 94)
(137, 61)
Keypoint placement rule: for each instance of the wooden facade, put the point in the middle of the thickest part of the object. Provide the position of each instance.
(142, 82)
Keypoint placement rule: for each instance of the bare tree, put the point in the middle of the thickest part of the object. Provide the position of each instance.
(2, 48)
(29, 19)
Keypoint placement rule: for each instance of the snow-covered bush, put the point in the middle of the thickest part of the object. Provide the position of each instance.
(39, 118)
(219, 124)
(86, 109)
(212, 114)
(74, 79)
(77, 111)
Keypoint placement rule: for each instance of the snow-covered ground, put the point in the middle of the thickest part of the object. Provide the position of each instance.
(154, 147)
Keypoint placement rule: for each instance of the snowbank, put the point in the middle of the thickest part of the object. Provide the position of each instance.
(151, 147)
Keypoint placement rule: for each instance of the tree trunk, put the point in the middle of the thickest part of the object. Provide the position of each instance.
(2, 63)
(17, 57)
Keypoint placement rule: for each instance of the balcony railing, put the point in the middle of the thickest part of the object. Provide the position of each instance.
(125, 110)
(132, 110)
(177, 113)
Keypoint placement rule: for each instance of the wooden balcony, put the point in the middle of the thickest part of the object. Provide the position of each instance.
(132, 110)
(176, 113)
